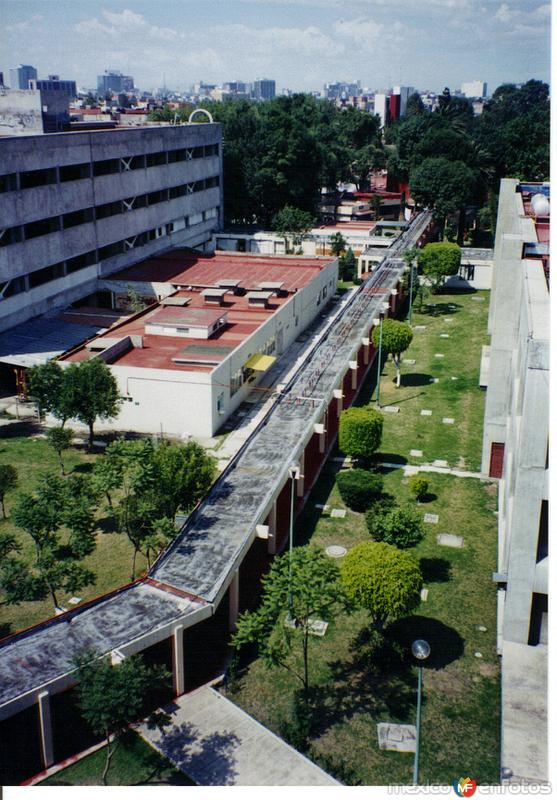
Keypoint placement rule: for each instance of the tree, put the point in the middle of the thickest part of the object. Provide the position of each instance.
(293, 222)
(42, 515)
(382, 579)
(45, 386)
(401, 527)
(444, 185)
(414, 105)
(8, 480)
(418, 486)
(396, 338)
(348, 266)
(337, 244)
(112, 697)
(359, 487)
(183, 474)
(106, 476)
(313, 592)
(91, 391)
(60, 439)
(360, 431)
(438, 260)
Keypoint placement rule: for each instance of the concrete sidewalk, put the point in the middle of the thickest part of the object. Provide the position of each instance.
(217, 744)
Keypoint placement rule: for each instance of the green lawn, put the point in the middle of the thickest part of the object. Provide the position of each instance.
(134, 763)
(460, 399)
(355, 685)
(111, 560)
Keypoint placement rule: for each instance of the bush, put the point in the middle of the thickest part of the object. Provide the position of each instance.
(401, 527)
(360, 431)
(418, 486)
(358, 488)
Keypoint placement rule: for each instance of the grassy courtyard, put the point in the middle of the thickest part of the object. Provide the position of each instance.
(356, 684)
(135, 763)
(23, 447)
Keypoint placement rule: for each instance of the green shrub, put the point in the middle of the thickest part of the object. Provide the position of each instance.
(360, 431)
(418, 486)
(358, 488)
(401, 527)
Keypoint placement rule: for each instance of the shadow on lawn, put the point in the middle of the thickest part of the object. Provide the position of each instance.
(435, 570)
(414, 379)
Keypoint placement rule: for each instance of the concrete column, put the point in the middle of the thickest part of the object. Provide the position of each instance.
(300, 481)
(45, 722)
(354, 370)
(337, 393)
(320, 430)
(178, 660)
(365, 343)
(233, 601)
(272, 523)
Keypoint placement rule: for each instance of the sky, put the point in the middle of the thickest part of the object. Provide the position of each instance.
(301, 44)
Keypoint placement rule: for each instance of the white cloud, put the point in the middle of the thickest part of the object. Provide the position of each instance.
(25, 25)
(362, 31)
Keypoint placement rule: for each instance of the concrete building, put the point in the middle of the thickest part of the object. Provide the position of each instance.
(474, 89)
(21, 75)
(404, 93)
(75, 207)
(187, 362)
(54, 84)
(114, 81)
(381, 107)
(515, 449)
(264, 89)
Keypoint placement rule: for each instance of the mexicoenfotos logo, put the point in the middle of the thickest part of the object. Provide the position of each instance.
(464, 787)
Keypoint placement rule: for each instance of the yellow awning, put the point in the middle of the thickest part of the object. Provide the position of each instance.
(259, 362)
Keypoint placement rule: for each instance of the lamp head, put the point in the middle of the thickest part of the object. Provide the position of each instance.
(420, 649)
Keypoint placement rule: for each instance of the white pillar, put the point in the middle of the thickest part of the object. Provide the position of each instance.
(233, 601)
(365, 343)
(300, 481)
(272, 523)
(178, 660)
(354, 370)
(45, 722)
(337, 393)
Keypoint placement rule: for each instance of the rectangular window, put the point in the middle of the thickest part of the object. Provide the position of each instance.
(108, 209)
(108, 167)
(137, 162)
(211, 150)
(157, 197)
(45, 275)
(175, 156)
(176, 191)
(8, 183)
(10, 235)
(12, 287)
(75, 172)
(80, 262)
(111, 250)
(41, 227)
(38, 177)
(156, 159)
(197, 152)
(543, 532)
(80, 217)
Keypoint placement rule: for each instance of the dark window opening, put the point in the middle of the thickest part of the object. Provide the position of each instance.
(45, 275)
(80, 262)
(197, 152)
(108, 167)
(8, 183)
(108, 209)
(137, 162)
(13, 287)
(111, 250)
(156, 159)
(176, 191)
(538, 620)
(41, 227)
(543, 532)
(176, 155)
(80, 217)
(38, 177)
(10, 236)
(211, 150)
(157, 197)
(75, 172)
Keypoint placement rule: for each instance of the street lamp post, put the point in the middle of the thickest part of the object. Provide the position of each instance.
(420, 651)
(379, 322)
(411, 293)
(294, 472)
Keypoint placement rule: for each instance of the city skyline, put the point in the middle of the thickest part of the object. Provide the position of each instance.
(300, 45)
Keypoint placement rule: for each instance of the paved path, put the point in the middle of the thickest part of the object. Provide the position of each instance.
(217, 744)
(410, 469)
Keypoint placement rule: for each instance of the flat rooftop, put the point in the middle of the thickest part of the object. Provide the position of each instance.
(181, 268)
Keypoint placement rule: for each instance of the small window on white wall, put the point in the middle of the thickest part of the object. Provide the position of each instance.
(220, 403)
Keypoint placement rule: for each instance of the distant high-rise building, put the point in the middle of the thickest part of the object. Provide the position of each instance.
(404, 92)
(381, 107)
(54, 84)
(474, 89)
(113, 81)
(342, 89)
(264, 89)
(21, 75)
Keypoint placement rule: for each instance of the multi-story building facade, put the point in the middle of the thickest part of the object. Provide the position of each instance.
(474, 89)
(112, 81)
(515, 449)
(21, 75)
(264, 89)
(54, 84)
(75, 207)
